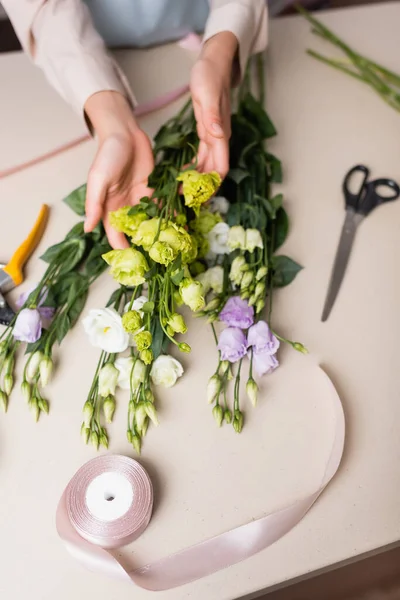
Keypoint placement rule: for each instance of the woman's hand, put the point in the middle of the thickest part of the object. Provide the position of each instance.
(210, 86)
(123, 162)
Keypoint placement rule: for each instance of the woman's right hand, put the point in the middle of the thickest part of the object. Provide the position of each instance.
(123, 163)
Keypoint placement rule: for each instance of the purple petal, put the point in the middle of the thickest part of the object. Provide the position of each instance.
(261, 338)
(28, 326)
(237, 313)
(232, 344)
(46, 312)
(25, 295)
(264, 363)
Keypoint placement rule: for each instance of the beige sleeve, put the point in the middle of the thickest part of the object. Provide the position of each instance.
(246, 19)
(61, 39)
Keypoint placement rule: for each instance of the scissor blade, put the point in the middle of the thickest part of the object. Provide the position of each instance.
(349, 229)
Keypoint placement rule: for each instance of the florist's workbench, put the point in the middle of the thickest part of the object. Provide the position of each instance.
(206, 480)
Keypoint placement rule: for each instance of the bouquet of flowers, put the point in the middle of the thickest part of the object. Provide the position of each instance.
(215, 254)
(51, 309)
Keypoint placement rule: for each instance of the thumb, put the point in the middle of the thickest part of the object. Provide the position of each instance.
(212, 121)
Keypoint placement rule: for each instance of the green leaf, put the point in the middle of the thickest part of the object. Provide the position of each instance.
(95, 265)
(77, 307)
(76, 250)
(76, 231)
(284, 270)
(166, 138)
(237, 175)
(254, 112)
(233, 216)
(116, 296)
(144, 200)
(177, 263)
(281, 228)
(76, 200)
(151, 210)
(150, 273)
(63, 326)
(277, 201)
(275, 168)
(135, 210)
(158, 336)
(53, 253)
(71, 282)
(148, 307)
(38, 345)
(177, 278)
(98, 233)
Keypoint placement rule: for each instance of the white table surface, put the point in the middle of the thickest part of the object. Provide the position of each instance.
(206, 480)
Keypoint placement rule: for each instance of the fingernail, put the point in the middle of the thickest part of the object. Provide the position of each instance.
(217, 129)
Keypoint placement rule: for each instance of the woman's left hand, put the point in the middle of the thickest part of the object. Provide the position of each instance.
(210, 87)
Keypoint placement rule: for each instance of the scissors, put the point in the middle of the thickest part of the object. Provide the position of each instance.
(359, 204)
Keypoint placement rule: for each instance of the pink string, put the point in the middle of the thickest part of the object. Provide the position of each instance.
(141, 110)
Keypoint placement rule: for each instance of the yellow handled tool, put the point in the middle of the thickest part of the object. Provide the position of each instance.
(12, 274)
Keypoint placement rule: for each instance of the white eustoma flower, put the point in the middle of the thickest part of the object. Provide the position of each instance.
(218, 238)
(108, 378)
(137, 305)
(253, 240)
(237, 237)
(205, 281)
(105, 331)
(166, 370)
(124, 366)
(215, 278)
(219, 204)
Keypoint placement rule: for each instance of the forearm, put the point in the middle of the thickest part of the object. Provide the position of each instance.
(110, 113)
(222, 49)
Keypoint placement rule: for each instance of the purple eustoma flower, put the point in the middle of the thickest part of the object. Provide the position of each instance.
(46, 312)
(237, 313)
(264, 363)
(28, 326)
(232, 344)
(261, 338)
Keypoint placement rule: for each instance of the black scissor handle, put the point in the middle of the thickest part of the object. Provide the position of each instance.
(352, 199)
(373, 197)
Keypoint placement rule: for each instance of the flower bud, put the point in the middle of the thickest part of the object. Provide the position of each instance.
(43, 405)
(94, 439)
(213, 304)
(252, 391)
(218, 414)
(252, 300)
(213, 388)
(129, 435)
(145, 426)
(247, 279)
(238, 421)
(103, 439)
(137, 443)
(140, 415)
(146, 356)
(45, 369)
(183, 347)
(26, 390)
(260, 305)
(109, 408)
(151, 412)
(260, 289)
(88, 410)
(34, 408)
(245, 295)
(131, 321)
(108, 379)
(228, 416)
(8, 384)
(170, 331)
(85, 433)
(33, 365)
(3, 401)
(131, 409)
(299, 347)
(177, 323)
(261, 273)
(9, 364)
(224, 366)
(212, 318)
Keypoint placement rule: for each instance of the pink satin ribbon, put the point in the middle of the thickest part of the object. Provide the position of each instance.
(87, 537)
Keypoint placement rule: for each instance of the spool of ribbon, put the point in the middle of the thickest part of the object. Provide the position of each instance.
(108, 504)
